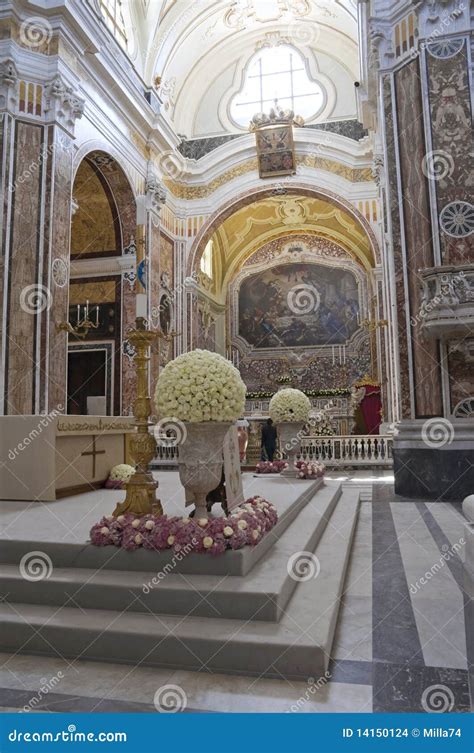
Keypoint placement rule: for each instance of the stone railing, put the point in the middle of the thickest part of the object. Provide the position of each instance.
(447, 305)
(362, 451)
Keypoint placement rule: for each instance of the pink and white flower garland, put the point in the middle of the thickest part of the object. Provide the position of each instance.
(271, 466)
(310, 469)
(245, 526)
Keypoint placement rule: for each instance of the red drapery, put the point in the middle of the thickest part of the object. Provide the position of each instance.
(371, 408)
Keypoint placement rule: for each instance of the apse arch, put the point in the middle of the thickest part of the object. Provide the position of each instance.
(268, 191)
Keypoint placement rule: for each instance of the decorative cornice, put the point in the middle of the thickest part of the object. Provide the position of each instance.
(190, 192)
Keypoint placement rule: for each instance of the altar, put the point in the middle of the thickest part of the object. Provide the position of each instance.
(44, 458)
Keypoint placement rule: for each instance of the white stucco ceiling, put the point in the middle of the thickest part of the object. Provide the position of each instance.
(200, 49)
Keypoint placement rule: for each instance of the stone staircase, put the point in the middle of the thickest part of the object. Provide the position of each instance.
(268, 620)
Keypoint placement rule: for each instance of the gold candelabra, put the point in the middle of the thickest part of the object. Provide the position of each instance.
(83, 325)
(141, 489)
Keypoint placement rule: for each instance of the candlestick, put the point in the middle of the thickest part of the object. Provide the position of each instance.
(141, 305)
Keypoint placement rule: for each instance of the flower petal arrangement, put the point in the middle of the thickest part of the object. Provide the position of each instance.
(288, 406)
(271, 466)
(310, 469)
(200, 386)
(119, 476)
(245, 526)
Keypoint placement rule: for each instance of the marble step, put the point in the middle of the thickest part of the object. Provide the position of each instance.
(289, 496)
(298, 646)
(262, 594)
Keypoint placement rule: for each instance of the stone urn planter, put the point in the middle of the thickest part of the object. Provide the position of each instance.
(200, 460)
(290, 445)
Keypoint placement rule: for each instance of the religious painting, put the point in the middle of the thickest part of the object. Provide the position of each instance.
(275, 151)
(298, 304)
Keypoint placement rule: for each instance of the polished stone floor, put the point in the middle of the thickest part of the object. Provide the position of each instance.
(400, 643)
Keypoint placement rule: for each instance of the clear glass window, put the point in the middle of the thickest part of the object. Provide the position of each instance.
(277, 73)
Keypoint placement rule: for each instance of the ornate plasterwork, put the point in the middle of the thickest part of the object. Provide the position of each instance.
(240, 14)
(353, 175)
(62, 105)
(155, 192)
(8, 82)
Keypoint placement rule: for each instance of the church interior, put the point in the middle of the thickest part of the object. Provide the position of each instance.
(237, 356)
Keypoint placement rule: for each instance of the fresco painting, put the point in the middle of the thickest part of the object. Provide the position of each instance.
(298, 304)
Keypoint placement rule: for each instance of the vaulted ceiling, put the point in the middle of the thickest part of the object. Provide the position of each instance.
(268, 219)
(199, 49)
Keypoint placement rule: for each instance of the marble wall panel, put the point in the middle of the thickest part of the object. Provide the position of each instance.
(397, 251)
(55, 274)
(26, 301)
(451, 134)
(417, 233)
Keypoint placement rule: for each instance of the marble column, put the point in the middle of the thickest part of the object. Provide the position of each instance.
(37, 119)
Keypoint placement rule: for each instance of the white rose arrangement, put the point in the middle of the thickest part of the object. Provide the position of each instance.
(119, 476)
(289, 405)
(122, 472)
(200, 386)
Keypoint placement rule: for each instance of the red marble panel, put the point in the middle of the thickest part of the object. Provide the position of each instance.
(418, 241)
(27, 301)
(56, 269)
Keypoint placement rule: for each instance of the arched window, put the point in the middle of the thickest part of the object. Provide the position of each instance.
(112, 12)
(206, 260)
(277, 73)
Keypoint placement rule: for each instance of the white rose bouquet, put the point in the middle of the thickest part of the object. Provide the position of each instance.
(289, 405)
(119, 476)
(200, 386)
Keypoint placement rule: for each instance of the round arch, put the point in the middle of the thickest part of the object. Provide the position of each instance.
(274, 189)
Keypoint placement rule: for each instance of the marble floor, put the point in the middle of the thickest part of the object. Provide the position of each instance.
(400, 643)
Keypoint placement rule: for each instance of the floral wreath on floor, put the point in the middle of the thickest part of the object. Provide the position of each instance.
(119, 476)
(310, 469)
(271, 466)
(245, 526)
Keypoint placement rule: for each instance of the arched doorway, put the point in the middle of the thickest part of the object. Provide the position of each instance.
(103, 225)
